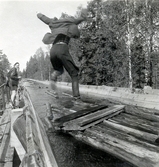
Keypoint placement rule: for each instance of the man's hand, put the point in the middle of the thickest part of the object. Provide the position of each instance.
(39, 15)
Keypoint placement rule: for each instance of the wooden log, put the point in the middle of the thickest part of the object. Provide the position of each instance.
(139, 119)
(93, 118)
(134, 111)
(143, 109)
(100, 128)
(134, 123)
(137, 133)
(137, 155)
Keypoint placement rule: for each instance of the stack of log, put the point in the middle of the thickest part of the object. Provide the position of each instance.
(131, 135)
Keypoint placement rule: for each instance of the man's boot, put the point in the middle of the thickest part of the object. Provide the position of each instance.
(75, 88)
(76, 94)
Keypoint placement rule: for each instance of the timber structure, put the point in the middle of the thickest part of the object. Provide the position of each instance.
(118, 121)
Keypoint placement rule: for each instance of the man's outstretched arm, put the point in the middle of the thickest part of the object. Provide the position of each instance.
(44, 18)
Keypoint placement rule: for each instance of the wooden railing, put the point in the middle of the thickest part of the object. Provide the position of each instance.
(33, 137)
(2, 96)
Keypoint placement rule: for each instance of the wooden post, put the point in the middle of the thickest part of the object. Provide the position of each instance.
(3, 97)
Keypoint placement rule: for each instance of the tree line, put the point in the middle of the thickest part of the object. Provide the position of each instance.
(118, 46)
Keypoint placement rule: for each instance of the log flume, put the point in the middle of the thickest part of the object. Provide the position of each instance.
(117, 121)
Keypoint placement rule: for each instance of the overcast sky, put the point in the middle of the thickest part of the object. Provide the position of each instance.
(21, 32)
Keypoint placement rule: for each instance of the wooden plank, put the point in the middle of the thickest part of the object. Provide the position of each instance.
(77, 114)
(93, 118)
(100, 114)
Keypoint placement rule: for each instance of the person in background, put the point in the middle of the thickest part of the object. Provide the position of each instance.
(62, 30)
(12, 82)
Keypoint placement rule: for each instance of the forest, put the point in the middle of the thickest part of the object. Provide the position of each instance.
(118, 47)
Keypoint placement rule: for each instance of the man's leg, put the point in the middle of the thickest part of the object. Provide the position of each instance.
(54, 75)
(13, 96)
(8, 93)
(53, 86)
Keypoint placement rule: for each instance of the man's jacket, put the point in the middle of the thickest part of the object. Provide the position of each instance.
(13, 74)
(67, 26)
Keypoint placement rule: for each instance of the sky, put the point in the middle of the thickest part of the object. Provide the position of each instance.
(21, 32)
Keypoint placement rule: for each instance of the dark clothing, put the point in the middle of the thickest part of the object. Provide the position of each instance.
(60, 57)
(13, 79)
(67, 26)
(61, 32)
(62, 38)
